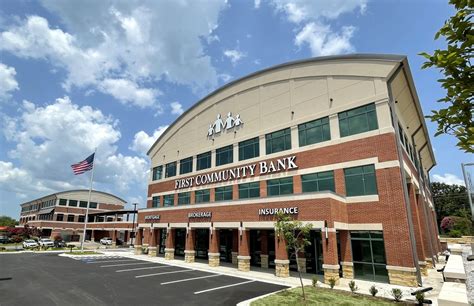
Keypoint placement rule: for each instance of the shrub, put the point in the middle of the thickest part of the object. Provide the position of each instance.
(397, 294)
(420, 297)
(353, 286)
(332, 282)
(373, 291)
(315, 281)
(455, 233)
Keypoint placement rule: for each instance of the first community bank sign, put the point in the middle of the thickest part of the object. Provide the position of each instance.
(263, 167)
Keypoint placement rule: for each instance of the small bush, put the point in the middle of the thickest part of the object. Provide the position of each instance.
(353, 286)
(315, 281)
(332, 282)
(373, 291)
(455, 233)
(420, 297)
(397, 294)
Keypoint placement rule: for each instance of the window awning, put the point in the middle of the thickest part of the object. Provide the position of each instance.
(46, 211)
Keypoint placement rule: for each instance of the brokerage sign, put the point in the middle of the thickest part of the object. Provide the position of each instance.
(274, 211)
(200, 214)
(264, 167)
(152, 218)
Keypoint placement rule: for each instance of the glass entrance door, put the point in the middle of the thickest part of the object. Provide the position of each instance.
(179, 241)
(201, 242)
(314, 254)
(162, 241)
(225, 244)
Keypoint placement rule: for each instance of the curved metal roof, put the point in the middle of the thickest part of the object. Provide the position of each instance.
(76, 190)
(357, 56)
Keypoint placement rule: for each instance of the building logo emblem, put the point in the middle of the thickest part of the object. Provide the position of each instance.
(219, 125)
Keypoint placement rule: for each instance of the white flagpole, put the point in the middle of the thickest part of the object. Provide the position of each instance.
(88, 203)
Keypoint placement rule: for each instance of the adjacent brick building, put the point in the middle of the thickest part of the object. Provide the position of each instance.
(339, 142)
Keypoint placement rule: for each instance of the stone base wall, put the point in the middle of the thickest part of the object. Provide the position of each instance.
(348, 270)
(331, 273)
(138, 250)
(214, 260)
(402, 278)
(152, 251)
(282, 268)
(429, 263)
(302, 265)
(169, 254)
(264, 261)
(423, 268)
(189, 256)
(243, 263)
(234, 258)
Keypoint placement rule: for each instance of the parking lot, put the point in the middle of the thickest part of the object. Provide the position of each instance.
(48, 279)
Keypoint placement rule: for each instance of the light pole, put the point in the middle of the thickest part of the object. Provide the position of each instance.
(133, 222)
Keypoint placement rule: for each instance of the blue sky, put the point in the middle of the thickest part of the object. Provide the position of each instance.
(75, 75)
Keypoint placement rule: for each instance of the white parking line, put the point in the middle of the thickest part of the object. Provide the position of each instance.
(127, 264)
(189, 279)
(145, 268)
(102, 261)
(171, 272)
(222, 287)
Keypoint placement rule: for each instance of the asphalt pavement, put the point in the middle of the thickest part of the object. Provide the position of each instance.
(49, 279)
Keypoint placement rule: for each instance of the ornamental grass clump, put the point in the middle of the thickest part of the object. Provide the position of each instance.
(315, 281)
(397, 294)
(353, 287)
(373, 290)
(332, 282)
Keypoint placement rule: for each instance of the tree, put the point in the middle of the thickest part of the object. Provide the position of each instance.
(296, 238)
(7, 221)
(455, 63)
(450, 200)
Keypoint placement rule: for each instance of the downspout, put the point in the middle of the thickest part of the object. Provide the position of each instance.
(411, 230)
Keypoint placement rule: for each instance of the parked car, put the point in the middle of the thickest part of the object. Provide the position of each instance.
(106, 241)
(4, 239)
(59, 244)
(30, 243)
(46, 242)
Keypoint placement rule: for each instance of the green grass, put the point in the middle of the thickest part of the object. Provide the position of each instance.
(321, 296)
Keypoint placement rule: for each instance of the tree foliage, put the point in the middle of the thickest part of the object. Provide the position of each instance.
(296, 236)
(455, 62)
(7, 221)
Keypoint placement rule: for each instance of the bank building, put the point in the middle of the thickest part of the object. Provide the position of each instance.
(339, 142)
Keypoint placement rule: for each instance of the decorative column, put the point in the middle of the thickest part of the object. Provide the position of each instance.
(125, 237)
(420, 250)
(138, 242)
(214, 255)
(331, 264)
(282, 264)
(243, 259)
(92, 236)
(264, 249)
(114, 239)
(169, 246)
(189, 252)
(346, 255)
(152, 245)
(235, 246)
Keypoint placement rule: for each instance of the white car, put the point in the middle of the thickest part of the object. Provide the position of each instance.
(106, 241)
(45, 242)
(30, 243)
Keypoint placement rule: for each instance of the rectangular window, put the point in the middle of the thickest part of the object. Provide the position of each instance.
(81, 219)
(322, 181)
(62, 202)
(314, 131)
(59, 217)
(186, 165)
(278, 141)
(223, 194)
(360, 180)
(184, 198)
(280, 186)
(155, 202)
(93, 205)
(157, 173)
(73, 203)
(249, 149)
(202, 196)
(170, 169)
(249, 190)
(168, 200)
(203, 161)
(368, 256)
(70, 218)
(358, 120)
(225, 155)
(83, 204)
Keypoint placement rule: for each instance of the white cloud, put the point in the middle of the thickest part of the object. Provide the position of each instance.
(322, 41)
(256, 4)
(176, 108)
(128, 40)
(128, 92)
(142, 142)
(234, 55)
(8, 82)
(48, 139)
(225, 77)
(448, 178)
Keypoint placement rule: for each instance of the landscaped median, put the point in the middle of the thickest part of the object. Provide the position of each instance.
(322, 296)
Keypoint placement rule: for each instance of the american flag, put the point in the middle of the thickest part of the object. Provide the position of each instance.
(84, 165)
